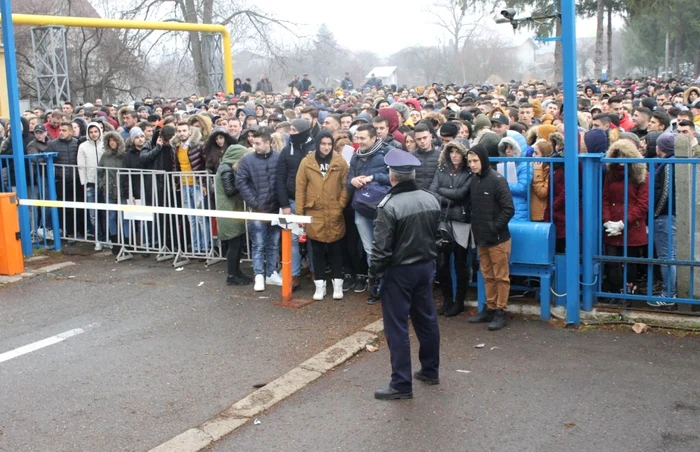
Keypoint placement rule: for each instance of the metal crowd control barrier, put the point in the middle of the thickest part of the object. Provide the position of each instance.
(209, 214)
(164, 235)
(672, 241)
(196, 234)
(143, 233)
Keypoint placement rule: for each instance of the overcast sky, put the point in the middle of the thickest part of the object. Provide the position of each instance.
(381, 26)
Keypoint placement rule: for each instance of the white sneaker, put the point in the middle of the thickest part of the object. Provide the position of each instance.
(98, 246)
(321, 289)
(259, 283)
(45, 233)
(338, 289)
(274, 279)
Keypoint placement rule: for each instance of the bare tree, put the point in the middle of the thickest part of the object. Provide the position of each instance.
(460, 20)
(247, 22)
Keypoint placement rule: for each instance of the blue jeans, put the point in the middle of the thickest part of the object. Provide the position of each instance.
(91, 196)
(661, 243)
(296, 251)
(192, 199)
(265, 247)
(112, 217)
(365, 227)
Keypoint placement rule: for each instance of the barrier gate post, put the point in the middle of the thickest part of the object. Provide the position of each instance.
(286, 267)
(11, 261)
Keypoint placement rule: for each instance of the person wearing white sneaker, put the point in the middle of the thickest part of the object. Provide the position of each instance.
(255, 180)
(274, 279)
(320, 289)
(259, 283)
(321, 193)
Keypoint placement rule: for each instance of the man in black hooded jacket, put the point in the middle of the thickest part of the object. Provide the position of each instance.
(492, 209)
(300, 143)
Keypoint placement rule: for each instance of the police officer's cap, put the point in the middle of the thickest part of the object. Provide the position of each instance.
(401, 161)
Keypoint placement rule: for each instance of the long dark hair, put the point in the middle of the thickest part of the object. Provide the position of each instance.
(213, 153)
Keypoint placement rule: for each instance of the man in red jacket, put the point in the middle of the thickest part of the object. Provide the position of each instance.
(53, 126)
(616, 107)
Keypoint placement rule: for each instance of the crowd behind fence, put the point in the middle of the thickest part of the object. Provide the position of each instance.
(665, 266)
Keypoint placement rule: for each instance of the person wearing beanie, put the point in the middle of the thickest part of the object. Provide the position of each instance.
(665, 215)
(484, 135)
(402, 108)
(135, 132)
(632, 137)
(321, 177)
(301, 142)
(649, 144)
(448, 132)
(596, 141)
(545, 130)
(138, 187)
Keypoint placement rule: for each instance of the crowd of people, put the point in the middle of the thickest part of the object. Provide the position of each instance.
(321, 153)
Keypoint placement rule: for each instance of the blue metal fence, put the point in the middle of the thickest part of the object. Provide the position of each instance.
(43, 221)
(639, 281)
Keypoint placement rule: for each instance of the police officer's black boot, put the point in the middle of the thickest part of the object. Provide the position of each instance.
(484, 316)
(499, 320)
(373, 289)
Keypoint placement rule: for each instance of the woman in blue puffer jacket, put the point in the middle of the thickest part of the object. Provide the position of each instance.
(518, 176)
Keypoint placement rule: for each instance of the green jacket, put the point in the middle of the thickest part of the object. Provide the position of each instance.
(229, 228)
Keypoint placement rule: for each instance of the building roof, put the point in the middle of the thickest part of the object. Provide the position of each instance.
(382, 71)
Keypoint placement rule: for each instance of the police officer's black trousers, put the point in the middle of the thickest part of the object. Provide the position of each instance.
(408, 291)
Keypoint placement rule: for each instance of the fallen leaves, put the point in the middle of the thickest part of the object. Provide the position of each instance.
(570, 424)
(371, 348)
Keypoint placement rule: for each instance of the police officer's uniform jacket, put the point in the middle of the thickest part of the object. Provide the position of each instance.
(405, 228)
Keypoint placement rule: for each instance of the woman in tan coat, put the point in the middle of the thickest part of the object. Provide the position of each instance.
(322, 194)
(540, 181)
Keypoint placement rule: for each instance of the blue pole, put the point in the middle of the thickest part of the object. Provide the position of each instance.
(8, 39)
(568, 41)
(590, 225)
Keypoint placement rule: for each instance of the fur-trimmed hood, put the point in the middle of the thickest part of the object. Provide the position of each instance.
(556, 139)
(508, 141)
(627, 150)
(686, 93)
(121, 148)
(205, 123)
(531, 136)
(445, 153)
(122, 111)
(193, 141)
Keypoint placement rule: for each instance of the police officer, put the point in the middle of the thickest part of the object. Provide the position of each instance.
(403, 254)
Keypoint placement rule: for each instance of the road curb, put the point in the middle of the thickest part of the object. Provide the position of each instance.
(5, 280)
(242, 411)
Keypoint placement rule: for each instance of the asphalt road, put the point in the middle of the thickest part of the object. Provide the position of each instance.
(541, 389)
(160, 353)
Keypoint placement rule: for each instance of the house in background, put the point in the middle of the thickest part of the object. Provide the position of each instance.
(387, 74)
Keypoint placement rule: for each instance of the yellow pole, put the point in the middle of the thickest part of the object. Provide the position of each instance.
(89, 22)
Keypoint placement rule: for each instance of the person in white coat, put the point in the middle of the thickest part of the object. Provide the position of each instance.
(89, 153)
